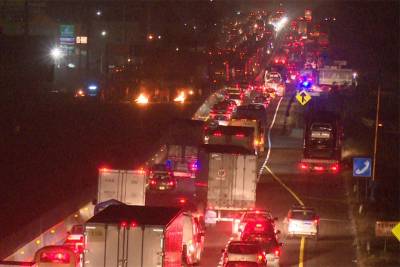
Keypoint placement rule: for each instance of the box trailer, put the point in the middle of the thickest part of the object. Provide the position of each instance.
(138, 236)
(232, 179)
(127, 186)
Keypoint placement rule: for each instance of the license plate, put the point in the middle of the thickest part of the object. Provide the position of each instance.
(162, 188)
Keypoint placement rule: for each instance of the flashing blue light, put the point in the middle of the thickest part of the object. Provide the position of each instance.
(168, 163)
(92, 87)
(195, 165)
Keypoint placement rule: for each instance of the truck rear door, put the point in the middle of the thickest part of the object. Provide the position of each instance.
(220, 180)
(244, 190)
(134, 191)
(109, 186)
(153, 245)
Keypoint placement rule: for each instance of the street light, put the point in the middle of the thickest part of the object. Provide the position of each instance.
(56, 53)
(103, 33)
(98, 12)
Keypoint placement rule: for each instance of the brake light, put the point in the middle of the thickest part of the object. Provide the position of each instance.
(123, 224)
(319, 168)
(132, 224)
(171, 183)
(260, 257)
(335, 168)
(55, 257)
(283, 61)
(240, 135)
(153, 182)
(217, 134)
(276, 60)
(182, 200)
(277, 252)
(303, 166)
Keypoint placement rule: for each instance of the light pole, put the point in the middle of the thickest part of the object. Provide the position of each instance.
(378, 103)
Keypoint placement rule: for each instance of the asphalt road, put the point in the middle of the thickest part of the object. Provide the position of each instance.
(326, 193)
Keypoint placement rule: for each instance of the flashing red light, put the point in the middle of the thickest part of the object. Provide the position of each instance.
(240, 135)
(303, 166)
(182, 200)
(277, 252)
(319, 168)
(55, 257)
(123, 224)
(217, 134)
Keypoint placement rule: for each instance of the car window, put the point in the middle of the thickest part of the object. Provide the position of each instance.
(243, 248)
(303, 215)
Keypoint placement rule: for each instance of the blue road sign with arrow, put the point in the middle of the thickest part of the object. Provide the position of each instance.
(362, 167)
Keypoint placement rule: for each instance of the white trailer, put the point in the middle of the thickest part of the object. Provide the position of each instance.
(232, 180)
(137, 236)
(126, 186)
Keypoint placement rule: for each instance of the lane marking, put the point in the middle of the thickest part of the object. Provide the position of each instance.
(301, 256)
(264, 166)
(285, 186)
(269, 139)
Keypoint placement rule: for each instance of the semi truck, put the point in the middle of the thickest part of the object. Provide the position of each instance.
(139, 236)
(322, 150)
(230, 173)
(126, 186)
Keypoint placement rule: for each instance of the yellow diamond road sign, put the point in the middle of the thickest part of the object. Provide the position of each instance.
(303, 97)
(396, 231)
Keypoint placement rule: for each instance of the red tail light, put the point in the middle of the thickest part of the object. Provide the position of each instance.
(303, 166)
(132, 224)
(260, 257)
(55, 257)
(171, 183)
(335, 168)
(277, 252)
(123, 224)
(217, 134)
(240, 135)
(276, 61)
(182, 200)
(153, 182)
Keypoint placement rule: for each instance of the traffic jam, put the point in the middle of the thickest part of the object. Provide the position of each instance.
(208, 171)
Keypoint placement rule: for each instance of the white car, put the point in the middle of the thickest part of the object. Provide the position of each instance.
(244, 251)
(302, 221)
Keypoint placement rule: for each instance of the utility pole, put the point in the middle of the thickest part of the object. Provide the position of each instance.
(378, 103)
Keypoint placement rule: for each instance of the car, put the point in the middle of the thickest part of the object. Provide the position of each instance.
(223, 110)
(261, 100)
(161, 178)
(253, 229)
(270, 245)
(244, 251)
(302, 221)
(252, 215)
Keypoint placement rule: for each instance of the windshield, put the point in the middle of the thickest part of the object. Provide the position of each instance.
(243, 248)
(303, 215)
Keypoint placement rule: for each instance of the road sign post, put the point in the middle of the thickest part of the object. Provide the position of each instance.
(362, 167)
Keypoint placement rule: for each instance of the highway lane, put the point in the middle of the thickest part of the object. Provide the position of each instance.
(326, 193)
